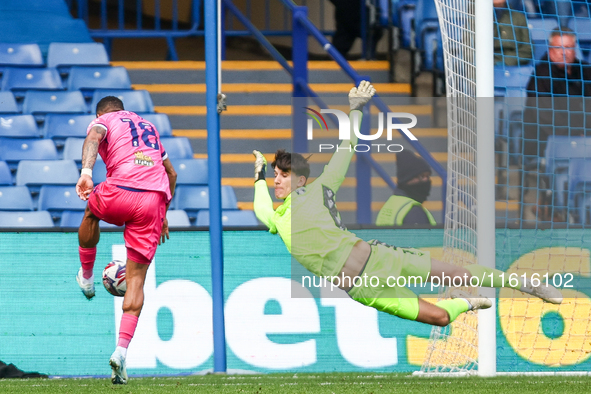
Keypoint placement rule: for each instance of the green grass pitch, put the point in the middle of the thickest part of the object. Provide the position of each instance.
(338, 383)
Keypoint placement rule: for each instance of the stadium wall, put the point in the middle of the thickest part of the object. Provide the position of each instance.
(46, 325)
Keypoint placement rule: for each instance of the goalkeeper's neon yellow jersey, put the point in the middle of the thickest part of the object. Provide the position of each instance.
(308, 220)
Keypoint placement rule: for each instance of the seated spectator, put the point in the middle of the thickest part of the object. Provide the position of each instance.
(414, 186)
(556, 105)
(512, 40)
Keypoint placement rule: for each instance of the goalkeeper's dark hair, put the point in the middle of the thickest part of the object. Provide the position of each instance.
(109, 104)
(292, 162)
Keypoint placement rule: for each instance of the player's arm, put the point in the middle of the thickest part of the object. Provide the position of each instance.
(336, 169)
(171, 174)
(89, 152)
(263, 204)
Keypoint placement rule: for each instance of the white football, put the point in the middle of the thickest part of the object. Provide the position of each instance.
(114, 278)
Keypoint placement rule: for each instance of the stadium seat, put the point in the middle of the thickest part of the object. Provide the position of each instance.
(403, 16)
(38, 219)
(73, 149)
(71, 219)
(33, 26)
(190, 171)
(62, 54)
(194, 198)
(18, 80)
(5, 175)
(19, 126)
(162, 123)
(15, 198)
(177, 218)
(428, 43)
(35, 173)
(56, 199)
(39, 102)
(229, 218)
(138, 101)
(46, 6)
(582, 28)
(579, 187)
(21, 55)
(540, 30)
(58, 127)
(88, 79)
(8, 103)
(99, 171)
(177, 147)
(560, 150)
(14, 150)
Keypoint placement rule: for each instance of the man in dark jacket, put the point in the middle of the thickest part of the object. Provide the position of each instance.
(557, 104)
(414, 186)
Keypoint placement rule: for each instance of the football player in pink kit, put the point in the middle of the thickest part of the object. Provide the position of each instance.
(139, 187)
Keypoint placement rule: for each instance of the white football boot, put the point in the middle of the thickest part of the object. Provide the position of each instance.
(547, 293)
(477, 302)
(119, 372)
(86, 285)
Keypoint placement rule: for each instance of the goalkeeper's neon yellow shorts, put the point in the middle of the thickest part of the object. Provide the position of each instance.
(385, 262)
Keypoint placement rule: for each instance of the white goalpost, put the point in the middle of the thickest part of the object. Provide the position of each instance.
(469, 344)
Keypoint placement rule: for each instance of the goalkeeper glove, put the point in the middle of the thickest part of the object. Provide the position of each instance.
(260, 165)
(361, 95)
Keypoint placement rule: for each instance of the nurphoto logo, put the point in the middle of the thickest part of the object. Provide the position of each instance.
(345, 129)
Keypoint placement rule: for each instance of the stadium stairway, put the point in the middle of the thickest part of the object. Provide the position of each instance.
(259, 117)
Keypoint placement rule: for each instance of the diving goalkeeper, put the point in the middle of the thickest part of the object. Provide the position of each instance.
(322, 244)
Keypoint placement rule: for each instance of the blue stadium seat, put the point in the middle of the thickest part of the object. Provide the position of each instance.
(21, 55)
(33, 26)
(37, 219)
(539, 30)
(58, 127)
(428, 43)
(579, 187)
(73, 149)
(190, 171)
(177, 218)
(39, 102)
(63, 54)
(194, 198)
(19, 126)
(511, 78)
(560, 150)
(8, 103)
(15, 198)
(582, 28)
(403, 17)
(35, 173)
(19, 80)
(88, 79)
(229, 218)
(55, 7)
(56, 199)
(138, 101)
(177, 147)
(14, 150)
(71, 219)
(5, 175)
(99, 171)
(162, 123)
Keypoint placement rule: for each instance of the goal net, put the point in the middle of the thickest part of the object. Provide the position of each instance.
(543, 197)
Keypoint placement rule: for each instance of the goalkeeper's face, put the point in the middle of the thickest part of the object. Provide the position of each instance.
(285, 182)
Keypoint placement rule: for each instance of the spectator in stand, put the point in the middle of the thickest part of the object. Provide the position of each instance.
(556, 105)
(347, 15)
(512, 40)
(414, 186)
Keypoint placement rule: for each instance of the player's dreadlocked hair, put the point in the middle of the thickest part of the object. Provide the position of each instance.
(289, 162)
(109, 104)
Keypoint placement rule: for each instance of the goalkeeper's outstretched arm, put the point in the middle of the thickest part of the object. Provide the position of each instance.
(263, 204)
(336, 169)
